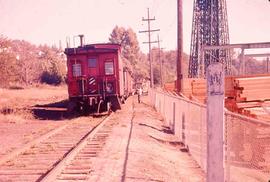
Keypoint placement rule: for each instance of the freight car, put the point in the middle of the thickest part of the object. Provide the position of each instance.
(96, 77)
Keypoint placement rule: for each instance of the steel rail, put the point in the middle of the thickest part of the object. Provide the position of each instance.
(52, 174)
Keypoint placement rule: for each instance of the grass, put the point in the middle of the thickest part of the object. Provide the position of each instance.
(9, 163)
(16, 103)
(15, 87)
(49, 147)
(12, 119)
(29, 152)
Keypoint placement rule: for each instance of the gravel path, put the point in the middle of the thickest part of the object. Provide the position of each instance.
(139, 150)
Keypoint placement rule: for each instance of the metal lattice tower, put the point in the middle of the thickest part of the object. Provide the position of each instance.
(209, 27)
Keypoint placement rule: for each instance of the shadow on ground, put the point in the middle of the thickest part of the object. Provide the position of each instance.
(52, 111)
(164, 129)
(57, 111)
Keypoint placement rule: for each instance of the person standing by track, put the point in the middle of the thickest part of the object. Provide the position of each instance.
(139, 92)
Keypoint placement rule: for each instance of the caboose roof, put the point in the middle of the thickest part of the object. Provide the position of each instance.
(102, 47)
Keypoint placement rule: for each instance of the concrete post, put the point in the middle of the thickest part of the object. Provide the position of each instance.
(215, 119)
(174, 113)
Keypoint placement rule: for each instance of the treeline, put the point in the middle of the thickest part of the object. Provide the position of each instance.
(22, 63)
(138, 62)
(132, 57)
(168, 58)
(251, 66)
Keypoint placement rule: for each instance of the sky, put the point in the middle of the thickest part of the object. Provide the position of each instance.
(48, 21)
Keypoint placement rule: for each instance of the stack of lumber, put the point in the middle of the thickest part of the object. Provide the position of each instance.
(254, 88)
(230, 90)
(244, 94)
(194, 89)
(198, 89)
(170, 86)
(248, 95)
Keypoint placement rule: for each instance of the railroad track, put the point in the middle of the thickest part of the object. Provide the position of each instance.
(65, 155)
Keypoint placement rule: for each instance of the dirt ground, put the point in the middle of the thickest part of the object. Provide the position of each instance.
(141, 148)
(21, 120)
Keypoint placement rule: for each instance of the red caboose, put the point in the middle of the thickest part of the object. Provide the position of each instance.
(96, 77)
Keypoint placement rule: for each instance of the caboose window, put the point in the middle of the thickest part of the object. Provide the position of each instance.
(77, 70)
(109, 68)
(92, 63)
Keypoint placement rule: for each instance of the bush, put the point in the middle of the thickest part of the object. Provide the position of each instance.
(15, 87)
(51, 78)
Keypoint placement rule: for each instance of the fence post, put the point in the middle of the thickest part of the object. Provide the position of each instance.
(173, 128)
(215, 119)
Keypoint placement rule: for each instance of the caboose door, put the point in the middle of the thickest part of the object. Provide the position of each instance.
(93, 72)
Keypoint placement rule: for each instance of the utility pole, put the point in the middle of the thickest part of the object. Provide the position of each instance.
(179, 81)
(242, 63)
(160, 62)
(148, 19)
(60, 45)
(267, 64)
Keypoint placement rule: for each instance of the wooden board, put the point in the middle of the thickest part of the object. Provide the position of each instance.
(242, 92)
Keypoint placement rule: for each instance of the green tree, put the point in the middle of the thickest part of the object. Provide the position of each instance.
(8, 66)
(169, 64)
(53, 65)
(127, 38)
(24, 63)
(133, 58)
(28, 66)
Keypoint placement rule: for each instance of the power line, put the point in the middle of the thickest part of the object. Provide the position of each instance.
(179, 64)
(160, 61)
(149, 30)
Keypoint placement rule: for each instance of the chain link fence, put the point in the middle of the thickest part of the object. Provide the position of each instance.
(247, 148)
(246, 140)
(187, 120)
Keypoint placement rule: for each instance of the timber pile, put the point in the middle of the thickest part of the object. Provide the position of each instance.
(244, 95)
(248, 95)
(195, 89)
(170, 86)
(253, 89)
